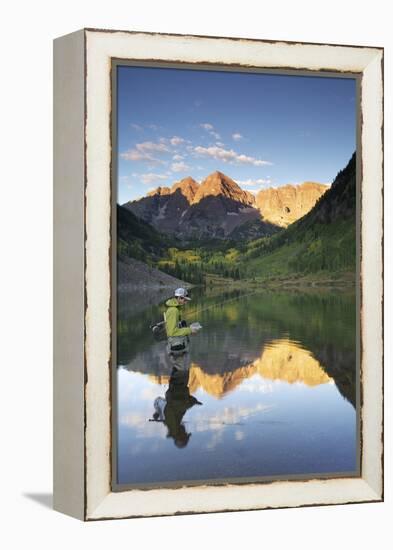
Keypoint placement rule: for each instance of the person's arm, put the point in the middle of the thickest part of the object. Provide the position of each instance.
(172, 320)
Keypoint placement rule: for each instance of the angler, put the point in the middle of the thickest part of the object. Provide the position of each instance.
(177, 330)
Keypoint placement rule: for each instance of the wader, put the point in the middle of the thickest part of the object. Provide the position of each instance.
(178, 347)
(177, 350)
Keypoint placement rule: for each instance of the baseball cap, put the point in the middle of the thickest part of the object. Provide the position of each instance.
(182, 293)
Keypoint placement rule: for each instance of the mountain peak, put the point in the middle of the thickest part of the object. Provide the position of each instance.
(218, 183)
(188, 187)
(159, 191)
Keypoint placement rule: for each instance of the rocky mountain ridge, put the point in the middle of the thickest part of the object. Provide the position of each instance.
(284, 205)
(218, 205)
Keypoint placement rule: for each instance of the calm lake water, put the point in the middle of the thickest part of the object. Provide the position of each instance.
(271, 389)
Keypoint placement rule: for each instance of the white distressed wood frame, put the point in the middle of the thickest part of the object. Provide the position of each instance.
(82, 331)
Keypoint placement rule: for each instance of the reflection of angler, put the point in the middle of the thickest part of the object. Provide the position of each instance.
(171, 410)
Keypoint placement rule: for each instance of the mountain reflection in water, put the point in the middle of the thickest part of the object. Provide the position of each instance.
(276, 374)
(280, 360)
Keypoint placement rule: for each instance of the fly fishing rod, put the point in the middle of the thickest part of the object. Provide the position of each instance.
(198, 311)
(159, 330)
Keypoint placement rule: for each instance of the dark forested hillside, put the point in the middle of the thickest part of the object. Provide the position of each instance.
(323, 240)
(138, 239)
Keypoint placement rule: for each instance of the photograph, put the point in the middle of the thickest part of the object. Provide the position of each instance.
(235, 275)
(197, 235)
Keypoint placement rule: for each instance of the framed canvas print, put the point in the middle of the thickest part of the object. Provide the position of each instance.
(218, 274)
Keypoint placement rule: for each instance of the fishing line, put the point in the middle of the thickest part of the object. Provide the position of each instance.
(159, 328)
(197, 311)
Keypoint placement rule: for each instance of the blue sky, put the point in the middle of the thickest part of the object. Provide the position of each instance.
(261, 130)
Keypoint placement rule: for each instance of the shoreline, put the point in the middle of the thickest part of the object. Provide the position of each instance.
(344, 280)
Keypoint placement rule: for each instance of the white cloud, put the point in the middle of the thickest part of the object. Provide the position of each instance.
(134, 154)
(133, 419)
(176, 140)
(220, 144)
(237, 136)
(228, 416)
(253, 386)
(210, 129)
(141, 128)
(152, 177)
(151, 146)
(251, 160)
(144, 150)
(228, 155)
(179, 167)
(178, 157)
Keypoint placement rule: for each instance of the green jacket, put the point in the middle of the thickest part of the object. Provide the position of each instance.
(172, 318)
